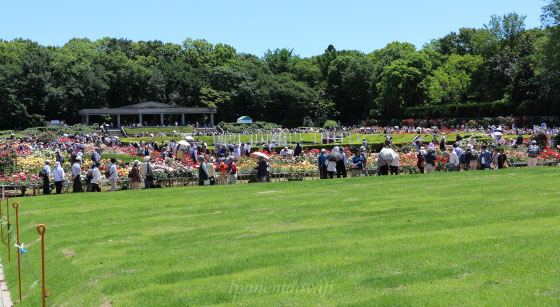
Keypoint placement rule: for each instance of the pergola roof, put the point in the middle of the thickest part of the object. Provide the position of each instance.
(148, 107)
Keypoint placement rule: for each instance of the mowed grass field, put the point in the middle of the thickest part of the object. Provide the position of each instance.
(470, 239)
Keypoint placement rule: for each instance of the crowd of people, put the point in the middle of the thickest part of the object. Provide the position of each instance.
(219, 166)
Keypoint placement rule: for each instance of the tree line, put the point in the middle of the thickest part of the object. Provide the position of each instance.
(503, 62)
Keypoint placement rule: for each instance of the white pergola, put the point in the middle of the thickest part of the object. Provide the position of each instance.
(147, 108)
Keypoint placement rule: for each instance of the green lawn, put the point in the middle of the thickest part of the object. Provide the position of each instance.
(471, 239)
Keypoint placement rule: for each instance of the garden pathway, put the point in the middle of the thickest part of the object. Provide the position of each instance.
(5, 300)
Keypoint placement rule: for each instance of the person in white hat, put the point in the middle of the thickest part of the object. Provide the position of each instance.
(134, 176)
(532, 153)
(45, 175)
(421, 160)
(58, 176)
(147, 173)
(76, 172)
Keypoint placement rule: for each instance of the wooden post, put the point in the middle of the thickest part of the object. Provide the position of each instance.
(15, 205)
(8, 227)
(6, 195)
(41, 229)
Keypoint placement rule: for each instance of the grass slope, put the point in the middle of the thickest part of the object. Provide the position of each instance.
(474, 238)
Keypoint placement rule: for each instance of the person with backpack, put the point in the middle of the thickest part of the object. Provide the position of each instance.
(472, 158)
(45, 175)
(112, 174)
(147, 173)
(134, 176)
(533, 152)
(430, 161)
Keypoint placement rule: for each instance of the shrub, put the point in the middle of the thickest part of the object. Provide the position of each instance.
(239, 128)
(329, 124)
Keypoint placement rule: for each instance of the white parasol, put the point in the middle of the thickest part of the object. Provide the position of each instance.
(258, 154)
(387, 154)
(184, 143)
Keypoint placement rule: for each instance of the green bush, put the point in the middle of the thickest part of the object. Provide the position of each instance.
(329, 124)
(239, 128)
(70, 130)
(155, 130)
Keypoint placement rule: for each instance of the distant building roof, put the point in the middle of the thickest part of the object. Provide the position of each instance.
(244, 118)
(148, 107)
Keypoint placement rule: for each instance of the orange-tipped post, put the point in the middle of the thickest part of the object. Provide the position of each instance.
(8, 227)
(41, 229)
(15, 205)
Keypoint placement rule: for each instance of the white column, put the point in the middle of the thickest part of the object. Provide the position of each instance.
(182, 119)
(211, 119)
(118, 120)
(161, 119)
(140, 118)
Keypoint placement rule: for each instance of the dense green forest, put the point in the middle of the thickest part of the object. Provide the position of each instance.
(502, 68)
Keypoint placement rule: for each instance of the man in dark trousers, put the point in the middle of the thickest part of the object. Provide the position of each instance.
(46, 174)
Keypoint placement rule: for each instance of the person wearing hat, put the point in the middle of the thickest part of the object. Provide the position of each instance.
(471, 158)
(134, 176)
(231, 171)
(45, 175)
(211, 171)
(96, 178)
(420, 160)
(532, 153)
(76, 172)
(147, 173)
(113, 174)
(58, 176)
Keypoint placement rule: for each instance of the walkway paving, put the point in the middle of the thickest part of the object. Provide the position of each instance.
(5, 300)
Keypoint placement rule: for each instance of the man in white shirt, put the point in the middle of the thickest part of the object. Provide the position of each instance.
(58, 176)
(284, 152)
(76, 171)
(96, 180)
(113, 174)
(453, 160)
(248, 148)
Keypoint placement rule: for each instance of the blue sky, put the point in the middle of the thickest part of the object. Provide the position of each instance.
(253, 26)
